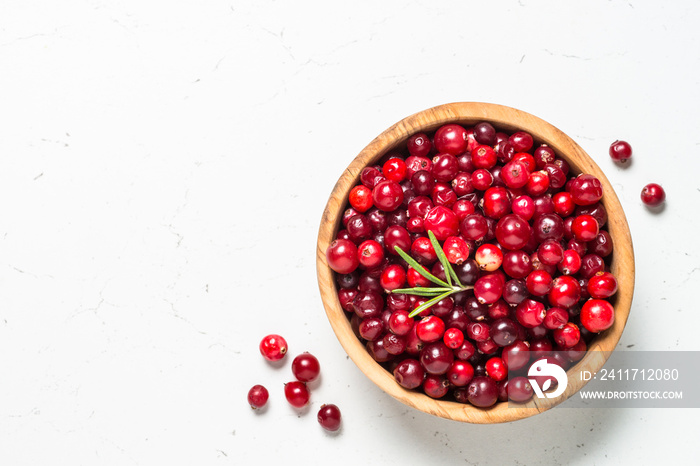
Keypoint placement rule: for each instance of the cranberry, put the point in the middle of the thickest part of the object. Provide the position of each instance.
(517, 264)
(543, 205)
(512, 232)
(563, 204)
(602, 285)
(591, 264)
(544, 155)
(484, 157)
(467, 272)
(496, 202)
(556, 317)
(516, 355)
(540, 347)
(548, 226)
(297, 394)
(419, 145)
(460, 373)
(342, 256)
(565, 292)
(653, 195)
(370, 176)
(396, 236)
(488, 289)
(442, 222)
(482, 179)
(482, 391)
(451, 138)
(519, 389)
(370, 253)
(456, 250)
(465, 351)
(570, 263)
(393, 277)
(305, 367)
(423, 183)
(273, 347)
(378, 352)
(602, 244)
(346, 297)
(584, 228)
(444, 167)
(620, 151)
(523, 206)
(585, 189)
(258, 396)
(430, 329)
(453, 338)
(514, 292)
(474, 227)
(371, 328)
(503, 331)
(539, 282)
(537, 183)
(530, 313)
(496, 369)
(597, 315)
(550, 252)
(515, 174)
(567, 335)
(415, 164)
(436, 358)
(394, 344)
(522, 141)
(394, 169)
(409, 374)
(436, 386)
(368, 304)
(387, 195)
(360, 198)
(400, 323)
(488, 257)
(485, 133)
(557, 177)
(329, 417)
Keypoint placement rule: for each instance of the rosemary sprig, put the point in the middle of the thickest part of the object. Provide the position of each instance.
(438, 293)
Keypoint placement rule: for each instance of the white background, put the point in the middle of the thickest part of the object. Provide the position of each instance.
(163, 170)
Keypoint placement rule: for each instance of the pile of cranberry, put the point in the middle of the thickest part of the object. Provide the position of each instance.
(516, 225)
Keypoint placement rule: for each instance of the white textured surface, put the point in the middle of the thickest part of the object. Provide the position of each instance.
(164, 166)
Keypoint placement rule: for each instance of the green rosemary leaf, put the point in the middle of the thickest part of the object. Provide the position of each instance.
(422, 291)
(449, 271)
(427, 304)
(420, 269)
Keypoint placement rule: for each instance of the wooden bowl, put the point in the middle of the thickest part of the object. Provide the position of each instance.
(503, 118)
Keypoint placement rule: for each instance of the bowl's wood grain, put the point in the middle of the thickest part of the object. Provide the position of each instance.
(470, 113)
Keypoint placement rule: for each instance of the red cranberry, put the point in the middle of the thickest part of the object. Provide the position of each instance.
(393, 277)
(370, 253)
(453, 338)
(415, 164)
(570, 263)
(516, 355)
(503, 331)
(496, 369)
(297, 394)
(460, 373)
(565, 292)
(544, 155)
(258, 396)
(543, 205)
(342, 256)
(591, 264)
(522, 141)
(436, 358)
(539, 282)
(368, 304)
(488, 289)
(514, 292)
(585, 189)
(512, 232)
(462, 208)
(456, 250)
(451, 138)
(419, 145)
(329, 417)
(370, 176)
(519, 389)
(556, 317)
(563, 204)
(400, 323)
(602, 285)
(474, 227)
(517, 264)
(436, 386)
(515, 174)
(430, 329)
(482, 392)
(396, 236)
(482, 179)
(371, 328)
(394, 169)
(485, 133)
(305, 367)
(409, 374)
(530, 313)
(557, 177)
(653, 195)
(387, 195)
(523, 206)
(442, 222)
(445, 167)
(443, 195)
(584, 228)
(548, 226)
(539, 348)
(465, 351)
(567, 335)
(602, 244)
(360, 198)
(496, 202)
(537, 183)
(484, 157)
(273, 347)
(620, 151)
(597, 315)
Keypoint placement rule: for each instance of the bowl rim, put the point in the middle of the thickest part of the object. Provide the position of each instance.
(503, 118)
